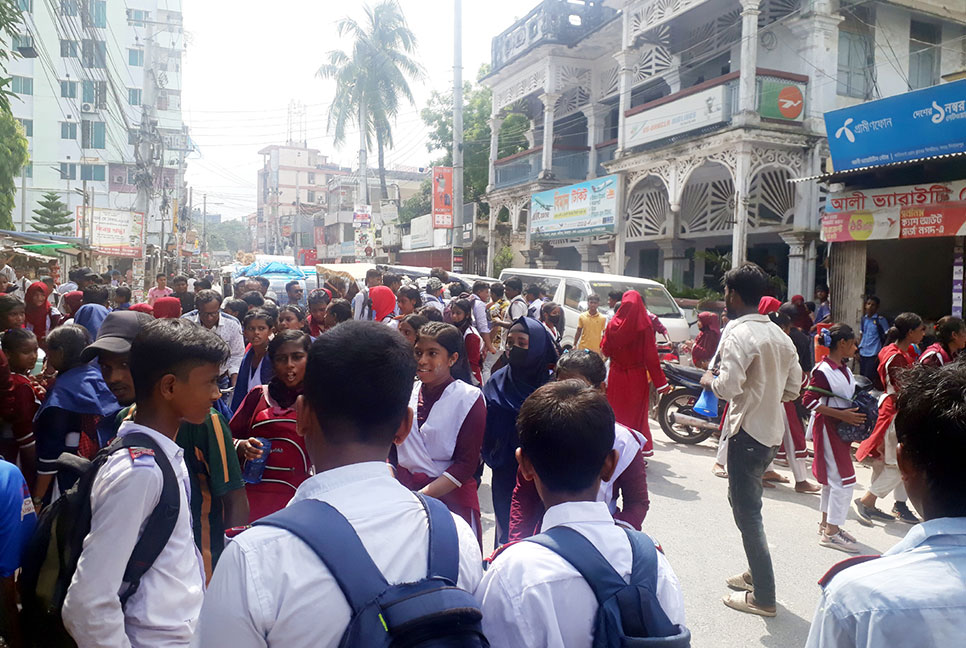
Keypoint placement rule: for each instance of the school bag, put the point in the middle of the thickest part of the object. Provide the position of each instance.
(51, 555)
(429, 613)
(628, 614)
(866, 404)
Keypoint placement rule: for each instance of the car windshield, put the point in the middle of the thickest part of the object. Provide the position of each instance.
(658, 300)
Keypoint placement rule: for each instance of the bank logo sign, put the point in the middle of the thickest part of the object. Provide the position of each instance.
(905, 127)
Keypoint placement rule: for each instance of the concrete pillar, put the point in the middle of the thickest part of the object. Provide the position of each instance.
(811, 261)
(674, 260)
(495, 124)
(698, 280)
(546, 263)
(747, 90)
(739, 234)
(625, 84)
(531, 134)
(847, 281)
(797, 262)
(595, 127)
(549, 105)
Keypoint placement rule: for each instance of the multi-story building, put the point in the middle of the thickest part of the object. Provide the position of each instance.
(86, 67)
(704, 110)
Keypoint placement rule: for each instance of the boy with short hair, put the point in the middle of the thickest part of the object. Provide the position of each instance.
(20, 347)
(269, 587)
(187, 299)
(590, 326)
(122, 298)
(530, 595)
(175, 366)
(160, 290)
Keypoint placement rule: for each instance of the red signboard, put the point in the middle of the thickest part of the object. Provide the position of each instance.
(942, 219)
(442, 197)
(308, 257)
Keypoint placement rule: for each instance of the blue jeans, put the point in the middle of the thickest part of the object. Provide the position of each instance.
(747, 461)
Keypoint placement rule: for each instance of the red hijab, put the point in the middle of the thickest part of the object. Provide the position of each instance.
(631, 320)
(74, 300)
(383, 301)
(167, 308)
(144, 308)
(36, 316)
(768, 305)
(707, 341)
(802, 319)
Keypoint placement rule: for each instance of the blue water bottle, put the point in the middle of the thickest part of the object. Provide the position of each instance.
(707, 404)
(252, 472)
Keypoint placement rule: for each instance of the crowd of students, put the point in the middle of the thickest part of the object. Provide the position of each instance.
(257, 404)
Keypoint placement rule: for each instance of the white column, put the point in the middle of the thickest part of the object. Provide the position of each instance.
(626, 84)
(673, 259)
(595, 124)
(739, 235)
(619, 261)
(549, 104)
(797, 269)
(698, 280)
(747, 90)
(847, 281)
(495, 124)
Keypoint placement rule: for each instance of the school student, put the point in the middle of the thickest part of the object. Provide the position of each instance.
(462, 313)
(629, 480)
(255, 369)
(531, 596)
(270, 588)
(383, 305)
(442, 452)
(408, 300)
(269, 413)
(409, 326)
(122, 298)
(20, 347)
(319, 301)
(11, 313)
(338, 311)
(291, 317)
(951, 332)
(828, 395)
(40, 316)
(175, 366)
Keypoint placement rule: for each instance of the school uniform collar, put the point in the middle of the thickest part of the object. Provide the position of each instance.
(576, 512)
(921, 533)
(317, 486)
(170, 448)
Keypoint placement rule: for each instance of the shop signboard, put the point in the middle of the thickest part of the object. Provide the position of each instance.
(858, 226)
(958, 249)
(365, 243)
(584, 209)
(704, 108)
(945, 219)
(923, 123)
(443, 197)
(781, 99)
(361, 216)
(113, 232)
(347, 249)
(458, 259)
(421, 231)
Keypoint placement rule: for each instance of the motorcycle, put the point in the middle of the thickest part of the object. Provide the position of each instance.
(676, 412)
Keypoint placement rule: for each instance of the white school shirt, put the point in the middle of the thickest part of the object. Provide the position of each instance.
(532, 597)
(164, 610)
(628, 445)
(270, 589)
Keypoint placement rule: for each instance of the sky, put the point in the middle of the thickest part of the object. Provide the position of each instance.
(243, 67)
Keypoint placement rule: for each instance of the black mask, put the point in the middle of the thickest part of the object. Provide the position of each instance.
(517, 357)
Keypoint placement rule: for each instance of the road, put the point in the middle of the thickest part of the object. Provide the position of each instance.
(690, 517)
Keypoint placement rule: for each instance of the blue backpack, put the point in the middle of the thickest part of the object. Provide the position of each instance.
(628, 615)
(431, 612)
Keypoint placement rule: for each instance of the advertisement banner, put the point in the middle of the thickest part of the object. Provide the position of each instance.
(688, 113)
(780, 99)
(923, 123)
(458, 259)
(113, 232)
(365, 244)
(421, 231)
(346, 249)
(947, 219)
(858, 226)
(585, 209)
(443, 197)
(362, 216)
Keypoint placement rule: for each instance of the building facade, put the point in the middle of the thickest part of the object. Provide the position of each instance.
(704, 110)
(86, 72)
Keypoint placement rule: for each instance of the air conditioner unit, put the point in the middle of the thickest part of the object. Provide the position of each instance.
(88, 108)
(119, 179)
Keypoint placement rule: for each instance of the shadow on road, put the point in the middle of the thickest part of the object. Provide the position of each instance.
(784, 630)
(663, 481)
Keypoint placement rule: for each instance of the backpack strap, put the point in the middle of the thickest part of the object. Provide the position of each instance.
(160, 524)
(326, 531)
(644, 620)
(444, 558)
(585, 558)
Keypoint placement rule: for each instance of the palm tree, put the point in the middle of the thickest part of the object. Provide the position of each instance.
(371, 79)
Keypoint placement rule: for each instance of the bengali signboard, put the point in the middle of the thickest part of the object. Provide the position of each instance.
(362, 216)
(692, 112)
(365, 243)
(421, 232)
(923, 123)
(858, 226)
(113, 232)
(443, 197)
(946, 219)
(584, 209)
(780, 99)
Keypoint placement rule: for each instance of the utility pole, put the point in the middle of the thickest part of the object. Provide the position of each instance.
(457, 122)
(145, 152)
(297, 221)
(23, 198)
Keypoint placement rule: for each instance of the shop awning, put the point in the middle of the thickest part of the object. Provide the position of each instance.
(20, 251)
(841, 176)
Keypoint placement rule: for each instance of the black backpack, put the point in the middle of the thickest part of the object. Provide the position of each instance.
(428, 613)
(628, 614)
(51, 556)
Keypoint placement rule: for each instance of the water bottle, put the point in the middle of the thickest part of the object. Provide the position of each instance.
(252, 472)
(707, 404)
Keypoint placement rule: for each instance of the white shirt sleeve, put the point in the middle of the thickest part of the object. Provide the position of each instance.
(236, 349)
(232, 614)
(479, 316)
(505, 622)
(357, 304)
(731, 370)
(122, 498)
(829, 630)
(669, 593)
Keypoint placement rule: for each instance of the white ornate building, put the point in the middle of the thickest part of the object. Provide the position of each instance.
(705, 109)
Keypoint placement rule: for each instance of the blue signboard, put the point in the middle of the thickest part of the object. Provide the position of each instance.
(585, 209)
(912, 125)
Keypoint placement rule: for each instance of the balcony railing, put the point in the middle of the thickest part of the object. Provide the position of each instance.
(525, 166)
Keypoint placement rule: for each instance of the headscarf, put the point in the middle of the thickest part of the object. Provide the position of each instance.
(630, 322)
(167, 308)
(143, 308)
(36, 316)
(74, 300)
(81, 390)
(91, 316)
(768, 305)
(707, 341)
(509, 387)
(802, 319)
(383, 301)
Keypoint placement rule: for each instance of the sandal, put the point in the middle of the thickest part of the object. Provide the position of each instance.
(739, 601)
(719, 472)
(738, 582)
(807, 487)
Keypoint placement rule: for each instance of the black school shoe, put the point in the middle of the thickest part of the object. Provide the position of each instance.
(902, 513)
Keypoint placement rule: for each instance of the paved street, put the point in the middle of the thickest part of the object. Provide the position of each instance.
(691, 518)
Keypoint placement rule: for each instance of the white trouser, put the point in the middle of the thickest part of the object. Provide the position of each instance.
(722, 456)
(836, 498)
(799, 469)
(487, 368)
(885, 470)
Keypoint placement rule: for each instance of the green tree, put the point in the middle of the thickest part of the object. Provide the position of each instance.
(231, 235)
(418, 204)
(10, 19)
(371, 79)
(53, 217)
(502, 260)
(13, 156)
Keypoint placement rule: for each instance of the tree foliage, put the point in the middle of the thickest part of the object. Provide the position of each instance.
(53, 217)
(502, 260)
(13, 156)
(10, 19)
(231, 235)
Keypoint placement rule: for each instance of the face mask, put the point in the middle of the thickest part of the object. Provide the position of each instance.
(517, 357)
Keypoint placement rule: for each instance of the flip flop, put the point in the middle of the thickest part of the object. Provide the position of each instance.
(808, 488)
(738, 582)
(776, 478)
(739, 601)
(718, 472)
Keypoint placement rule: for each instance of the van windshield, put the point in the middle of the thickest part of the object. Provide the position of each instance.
(658, 300)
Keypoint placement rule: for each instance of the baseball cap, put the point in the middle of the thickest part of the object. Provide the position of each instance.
(116, 334)
(83, 273)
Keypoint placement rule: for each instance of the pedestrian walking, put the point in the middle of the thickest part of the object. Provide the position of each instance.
(951, 334)
(872, 335)
(590, 326)
(706, 343)
(160, 289)
(254, 371)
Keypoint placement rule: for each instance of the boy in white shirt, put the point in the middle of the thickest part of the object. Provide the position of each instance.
(531, 596)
